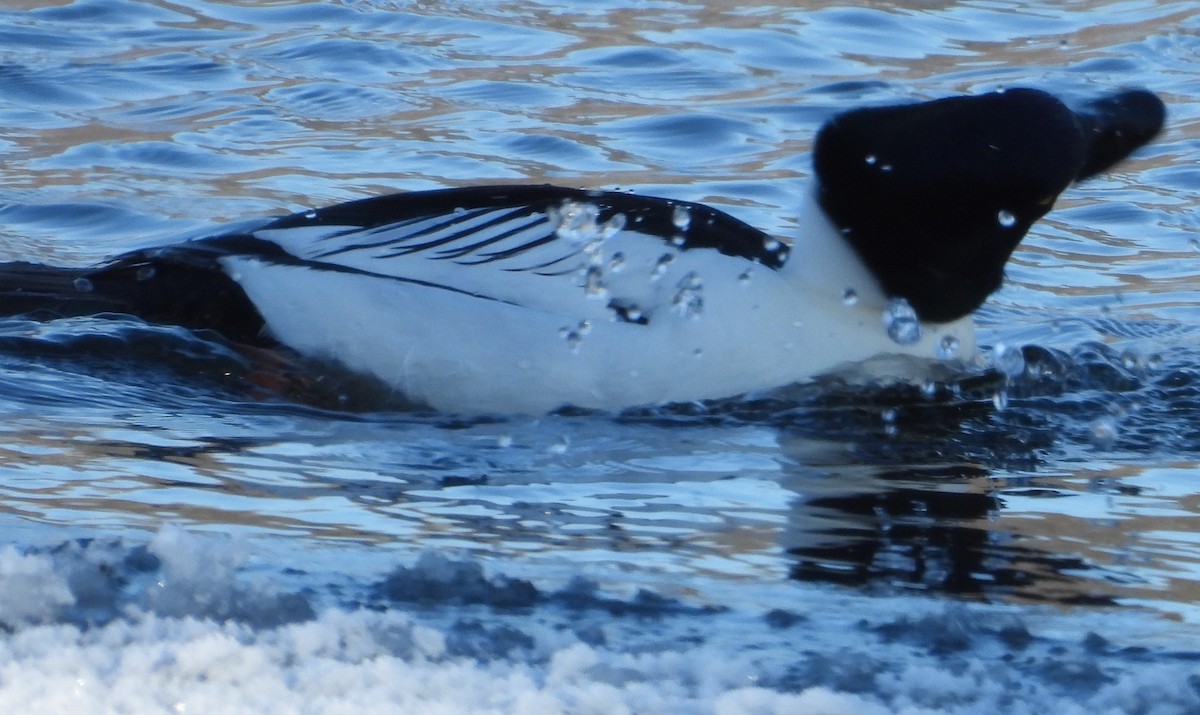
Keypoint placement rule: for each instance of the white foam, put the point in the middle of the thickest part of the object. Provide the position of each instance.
(216, 652)
(356, 661)
(31, 591)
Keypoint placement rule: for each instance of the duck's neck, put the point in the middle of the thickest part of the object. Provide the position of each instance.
(822, 260)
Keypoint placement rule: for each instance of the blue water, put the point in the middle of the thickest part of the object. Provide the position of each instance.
(187, 527)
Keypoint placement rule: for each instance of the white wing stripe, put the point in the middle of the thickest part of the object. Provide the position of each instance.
(488, 235)
(408, 237)
(449, 233)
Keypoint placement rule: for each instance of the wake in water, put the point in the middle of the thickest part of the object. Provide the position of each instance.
(1010, 406)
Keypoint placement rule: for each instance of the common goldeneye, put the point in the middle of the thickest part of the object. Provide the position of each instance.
(522, 299)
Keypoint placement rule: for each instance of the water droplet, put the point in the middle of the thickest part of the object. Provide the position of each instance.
(1195, 243)
(616, 262)
(697, 353)
(1008, 360)
(593, 283)
(573, 340)
(886, 168)
(504, 441)
(614, 225)
(1130, 359)
(1153, 361)
(947, 348)
(579, 222)
(145, 273)
(901, 322)
(871, 159)
(1103, 433)
(744, 277)
(574, 336)
(624, 312)
(771, 245)
(1006, 218)
(310, 215)
(689, 299)
(890, 428)
(682, 217)
(83, 285)
(660, 266)
(1000, 400)
(929, 389)
(849, 297)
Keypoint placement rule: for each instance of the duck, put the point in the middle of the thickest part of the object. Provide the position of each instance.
(524, 299)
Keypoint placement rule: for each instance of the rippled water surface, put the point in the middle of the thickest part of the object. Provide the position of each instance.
(189, 527)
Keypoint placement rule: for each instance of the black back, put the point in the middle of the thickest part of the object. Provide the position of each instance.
(935, 196)
(705, 227)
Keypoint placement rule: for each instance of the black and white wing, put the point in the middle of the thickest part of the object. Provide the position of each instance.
(540, 247)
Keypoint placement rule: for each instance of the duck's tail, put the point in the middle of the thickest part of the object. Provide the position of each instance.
(49, 292)
(165, 287)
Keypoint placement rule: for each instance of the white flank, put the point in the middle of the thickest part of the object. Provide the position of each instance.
(603, 316)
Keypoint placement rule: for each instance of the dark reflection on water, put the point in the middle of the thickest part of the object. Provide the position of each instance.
(929, 529)
(918, 496)
(909, 535)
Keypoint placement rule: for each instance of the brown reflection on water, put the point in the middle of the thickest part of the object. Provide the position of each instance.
(89, 476)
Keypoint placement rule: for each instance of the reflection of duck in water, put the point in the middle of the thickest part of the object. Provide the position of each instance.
(526, 298)
(899, 489)
(916, 527)
(936, 529)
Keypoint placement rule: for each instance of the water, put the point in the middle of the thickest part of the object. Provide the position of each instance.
(191, 528)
